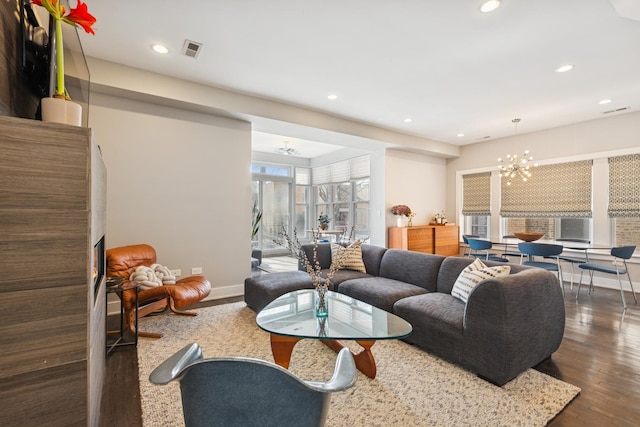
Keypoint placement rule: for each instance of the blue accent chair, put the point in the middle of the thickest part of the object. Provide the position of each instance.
(620, 255)
(238, 391)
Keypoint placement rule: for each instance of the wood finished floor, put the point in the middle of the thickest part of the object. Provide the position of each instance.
(600, 353)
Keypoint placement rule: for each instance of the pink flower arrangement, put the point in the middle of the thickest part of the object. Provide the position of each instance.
(401, 210)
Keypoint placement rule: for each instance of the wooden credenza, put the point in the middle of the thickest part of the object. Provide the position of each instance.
(430, 239)
(52, 309)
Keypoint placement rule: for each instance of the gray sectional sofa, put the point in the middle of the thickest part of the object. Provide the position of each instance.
(508, 324)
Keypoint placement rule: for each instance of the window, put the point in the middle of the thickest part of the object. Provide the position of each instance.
(541, 205)
(476, 205)
(302, 210)
(553, 228)
(272, 188)
(477, 225)
(341, 190)
(624, 199)
(627, 231)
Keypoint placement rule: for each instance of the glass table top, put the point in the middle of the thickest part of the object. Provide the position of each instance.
(293, 314)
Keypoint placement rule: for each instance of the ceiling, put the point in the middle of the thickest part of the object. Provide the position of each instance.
(443, 64)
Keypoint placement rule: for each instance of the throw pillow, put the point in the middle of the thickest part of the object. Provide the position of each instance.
(349, 258)
(472, 275)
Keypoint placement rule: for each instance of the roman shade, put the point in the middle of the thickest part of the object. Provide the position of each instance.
(303, 176)
(561, 190)
(624, 186)
(476, 194)
(341, 171)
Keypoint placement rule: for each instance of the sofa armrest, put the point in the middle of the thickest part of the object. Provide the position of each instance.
(516, 319)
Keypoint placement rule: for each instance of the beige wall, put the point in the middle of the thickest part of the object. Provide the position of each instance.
(416, 181)
(179, 181)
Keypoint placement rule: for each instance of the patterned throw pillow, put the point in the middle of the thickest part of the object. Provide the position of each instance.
(350, 258)
(473, 274)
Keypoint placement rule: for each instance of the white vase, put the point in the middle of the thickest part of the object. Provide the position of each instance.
(59, 110)
(400, 220)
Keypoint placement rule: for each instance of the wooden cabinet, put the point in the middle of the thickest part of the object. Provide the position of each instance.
(431, 239)
(52, 305)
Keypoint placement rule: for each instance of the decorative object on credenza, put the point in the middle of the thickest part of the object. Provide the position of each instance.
(323, 221)
(440, 218)
(528, 236)
(59, 108)
(512, 167)
(400, 211)
(410, 216)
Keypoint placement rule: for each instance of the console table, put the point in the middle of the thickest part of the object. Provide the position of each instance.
(430, 239)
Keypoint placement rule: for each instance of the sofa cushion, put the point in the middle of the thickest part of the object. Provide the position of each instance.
(416, 268)
(378, 291)
(260, 291)
(443, 309)
(472, 275)
(349, 258)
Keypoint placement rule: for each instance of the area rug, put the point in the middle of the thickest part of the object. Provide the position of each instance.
(412, 388)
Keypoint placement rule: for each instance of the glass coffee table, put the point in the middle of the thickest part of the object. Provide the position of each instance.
(291, 318)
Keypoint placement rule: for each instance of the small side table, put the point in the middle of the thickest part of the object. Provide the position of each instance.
(118, 285)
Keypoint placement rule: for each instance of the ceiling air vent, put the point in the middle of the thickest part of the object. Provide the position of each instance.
(616, 110)
(191, 48)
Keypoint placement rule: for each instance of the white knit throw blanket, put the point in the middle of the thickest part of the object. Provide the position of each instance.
(150, 277)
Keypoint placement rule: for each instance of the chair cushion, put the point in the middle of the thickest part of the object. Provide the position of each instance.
(551, 266)
(473, 274)
(602, 268)
(124, 260)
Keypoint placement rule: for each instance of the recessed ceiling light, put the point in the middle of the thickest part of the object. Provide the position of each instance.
(460, 135)
(489, 6)
(564, 68)
(332, 96)
(408, 120)
(160, 48)
(604, 101)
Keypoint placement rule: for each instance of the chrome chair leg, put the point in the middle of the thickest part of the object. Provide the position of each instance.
(633, 292)
(624, 301)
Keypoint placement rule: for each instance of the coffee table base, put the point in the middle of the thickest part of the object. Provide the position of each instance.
(282, 347)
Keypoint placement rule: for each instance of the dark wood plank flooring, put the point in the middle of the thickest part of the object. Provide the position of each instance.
(600, 354)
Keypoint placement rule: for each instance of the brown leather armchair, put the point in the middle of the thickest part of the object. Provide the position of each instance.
(123, 261)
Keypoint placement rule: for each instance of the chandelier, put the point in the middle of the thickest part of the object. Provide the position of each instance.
(514, 167)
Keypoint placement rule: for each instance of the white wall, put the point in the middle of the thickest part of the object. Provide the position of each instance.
(179, 181)
(417, 181)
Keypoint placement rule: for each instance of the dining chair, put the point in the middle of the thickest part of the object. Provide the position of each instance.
(480, 249)
(465, 239)
(546, 250)
(572, 260)
(506, 252)
(240, 391)
(620, 256)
